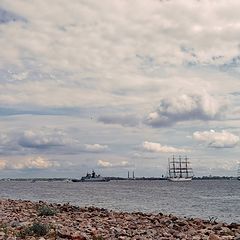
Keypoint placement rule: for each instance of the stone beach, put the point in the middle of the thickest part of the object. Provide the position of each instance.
(40, 220)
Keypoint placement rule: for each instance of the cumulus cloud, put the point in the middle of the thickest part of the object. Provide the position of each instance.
(28, 163)
(47, 140)
(34, 163)
(158, 148)
(95, 148)
(184, 107)
(3, 164)
(223, 139)
(42, 139)
(104, 163)
(108, 164)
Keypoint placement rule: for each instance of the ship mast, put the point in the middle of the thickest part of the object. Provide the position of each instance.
(169, 167)
(174, 167)
(186, 166)
(180, 166)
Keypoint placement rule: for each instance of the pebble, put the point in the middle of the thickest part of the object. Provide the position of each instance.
(213, 237)
(71, 222)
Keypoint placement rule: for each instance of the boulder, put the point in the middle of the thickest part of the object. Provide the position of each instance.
(213, 237)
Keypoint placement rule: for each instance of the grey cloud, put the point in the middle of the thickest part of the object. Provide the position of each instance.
(6, 17)
(51, 141)
(214, 139)
(128, 120)
(184, 107)
(33, 142)
(41, 139)
(8, 145)
(231, 63)
(235, 94)
(40, 111)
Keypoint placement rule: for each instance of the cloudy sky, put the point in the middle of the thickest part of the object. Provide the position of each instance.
(118, 85)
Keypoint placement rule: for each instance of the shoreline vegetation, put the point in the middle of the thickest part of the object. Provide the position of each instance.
(22, 219)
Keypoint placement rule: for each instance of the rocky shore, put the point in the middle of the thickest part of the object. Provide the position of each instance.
(39, 220)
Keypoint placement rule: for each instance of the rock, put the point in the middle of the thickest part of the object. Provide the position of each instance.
(180, 235)
(51, 232)
(182, 223)
(14, 223)
(64, 233)
(78, 236)
(213, 237)
(2, 235)
(217, 227)
(75, 223)
(173, 218)
(234, 225)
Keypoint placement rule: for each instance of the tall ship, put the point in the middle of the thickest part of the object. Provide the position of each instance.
(179, 169)
(92, 177)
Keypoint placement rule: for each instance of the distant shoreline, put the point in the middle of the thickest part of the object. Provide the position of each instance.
(29, 220)
(120, 178)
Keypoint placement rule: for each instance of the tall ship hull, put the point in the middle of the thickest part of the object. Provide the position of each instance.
(179, 170)
(179, 179)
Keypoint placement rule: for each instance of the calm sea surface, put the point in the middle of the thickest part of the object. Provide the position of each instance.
(202, 198)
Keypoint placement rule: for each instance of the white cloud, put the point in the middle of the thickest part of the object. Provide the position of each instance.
(184, 107)
(27, 163)
(96, 148)
(214, 139)
(108, 164)
(3, 164)
(34, 163)
(157, 147)
(104, 163)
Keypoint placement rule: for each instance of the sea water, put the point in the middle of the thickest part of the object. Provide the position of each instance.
(207, 199)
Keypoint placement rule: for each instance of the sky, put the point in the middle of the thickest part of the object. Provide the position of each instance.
(118, 86)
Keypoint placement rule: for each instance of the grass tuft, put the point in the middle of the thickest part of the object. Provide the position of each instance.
(46, 211)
